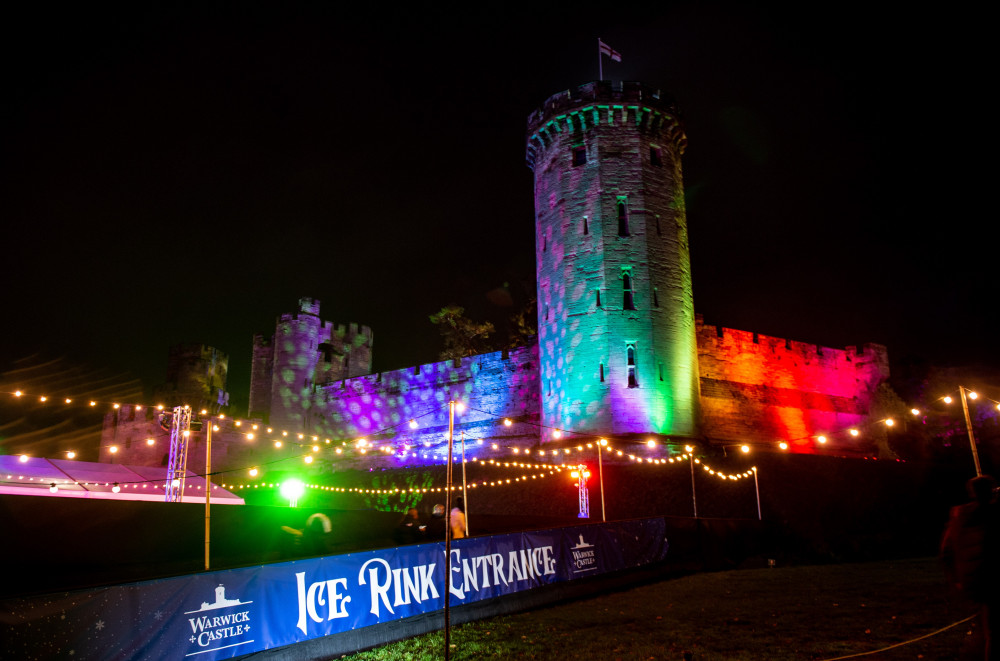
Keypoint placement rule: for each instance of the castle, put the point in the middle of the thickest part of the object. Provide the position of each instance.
(620, 351)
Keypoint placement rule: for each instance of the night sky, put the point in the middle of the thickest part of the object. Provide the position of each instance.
(186, 175)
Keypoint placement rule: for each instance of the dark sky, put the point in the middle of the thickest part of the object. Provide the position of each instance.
(186, 174)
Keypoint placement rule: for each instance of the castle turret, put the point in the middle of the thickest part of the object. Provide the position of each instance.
(296, 344)
(616, 322)
(304, 352)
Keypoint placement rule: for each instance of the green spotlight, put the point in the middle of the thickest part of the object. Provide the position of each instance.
(292, 490)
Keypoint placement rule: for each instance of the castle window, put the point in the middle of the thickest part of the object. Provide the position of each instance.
(602, 372)
(660, 371)
(656, 297)
(630, 363)
(655, 156)
(657, 224)
(586, 226)
(327, 350)
(628, 302)
(622, 217)
(598, 291)
(579, 155)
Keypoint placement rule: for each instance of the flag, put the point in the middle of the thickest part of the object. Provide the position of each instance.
(609, 51)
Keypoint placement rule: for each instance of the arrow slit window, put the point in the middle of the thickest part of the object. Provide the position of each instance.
(622, 216)
(628, 300)
(630, 363)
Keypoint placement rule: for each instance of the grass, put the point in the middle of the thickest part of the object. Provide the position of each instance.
(791, 613)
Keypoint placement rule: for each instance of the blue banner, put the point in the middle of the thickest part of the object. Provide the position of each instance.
(223, 614)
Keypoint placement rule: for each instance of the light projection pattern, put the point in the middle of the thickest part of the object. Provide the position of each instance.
(756, 387)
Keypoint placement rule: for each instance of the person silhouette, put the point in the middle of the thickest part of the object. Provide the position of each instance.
(970, 550)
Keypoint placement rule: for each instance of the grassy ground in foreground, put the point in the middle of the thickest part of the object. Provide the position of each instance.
(793, 613)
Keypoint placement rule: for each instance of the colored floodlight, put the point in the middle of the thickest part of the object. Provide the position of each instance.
(292, 490)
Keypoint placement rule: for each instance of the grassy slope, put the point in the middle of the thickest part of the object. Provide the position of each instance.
(800, 613)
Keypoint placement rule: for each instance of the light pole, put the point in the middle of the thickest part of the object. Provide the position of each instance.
(465, 495)
(447, 533)
(600, 474)
(208, 491)
(968, 427)
(756, 486)
(694, 498)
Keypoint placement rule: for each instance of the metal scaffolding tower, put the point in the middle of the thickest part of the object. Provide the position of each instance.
(180, 431)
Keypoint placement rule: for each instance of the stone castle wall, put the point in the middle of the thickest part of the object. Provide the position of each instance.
(492, 386)
(304, 352)
(756, 388)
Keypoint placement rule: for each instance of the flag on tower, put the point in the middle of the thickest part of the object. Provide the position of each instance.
(609, 51)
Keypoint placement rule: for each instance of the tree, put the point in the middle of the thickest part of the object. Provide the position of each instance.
(462, 336)
(523, 326)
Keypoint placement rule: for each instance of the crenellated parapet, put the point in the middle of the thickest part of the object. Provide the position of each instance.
(305, 351)
(577, 111)
(758, 388)
(752, 357)
(492, 386)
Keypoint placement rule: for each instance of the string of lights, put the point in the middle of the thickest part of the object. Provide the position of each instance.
(362, 446)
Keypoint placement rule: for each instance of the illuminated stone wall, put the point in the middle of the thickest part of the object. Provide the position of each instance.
(615, 310)
(195, 375)
(261, 377)
(305, 352)
(377, 407)
(767, 389)
(492, 386)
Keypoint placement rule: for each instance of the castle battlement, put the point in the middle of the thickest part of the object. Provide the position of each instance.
(346, 330)
(602, 103)
(441, 373)
(603, 92)
(729, 340)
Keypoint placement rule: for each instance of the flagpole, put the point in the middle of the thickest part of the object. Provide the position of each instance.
(600, 64)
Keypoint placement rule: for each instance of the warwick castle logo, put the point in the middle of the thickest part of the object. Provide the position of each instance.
(584, 557)
(215, 631)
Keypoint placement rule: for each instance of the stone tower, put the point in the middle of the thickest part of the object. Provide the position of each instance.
(616, 323)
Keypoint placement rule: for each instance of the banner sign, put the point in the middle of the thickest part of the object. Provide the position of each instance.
(223, 614)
